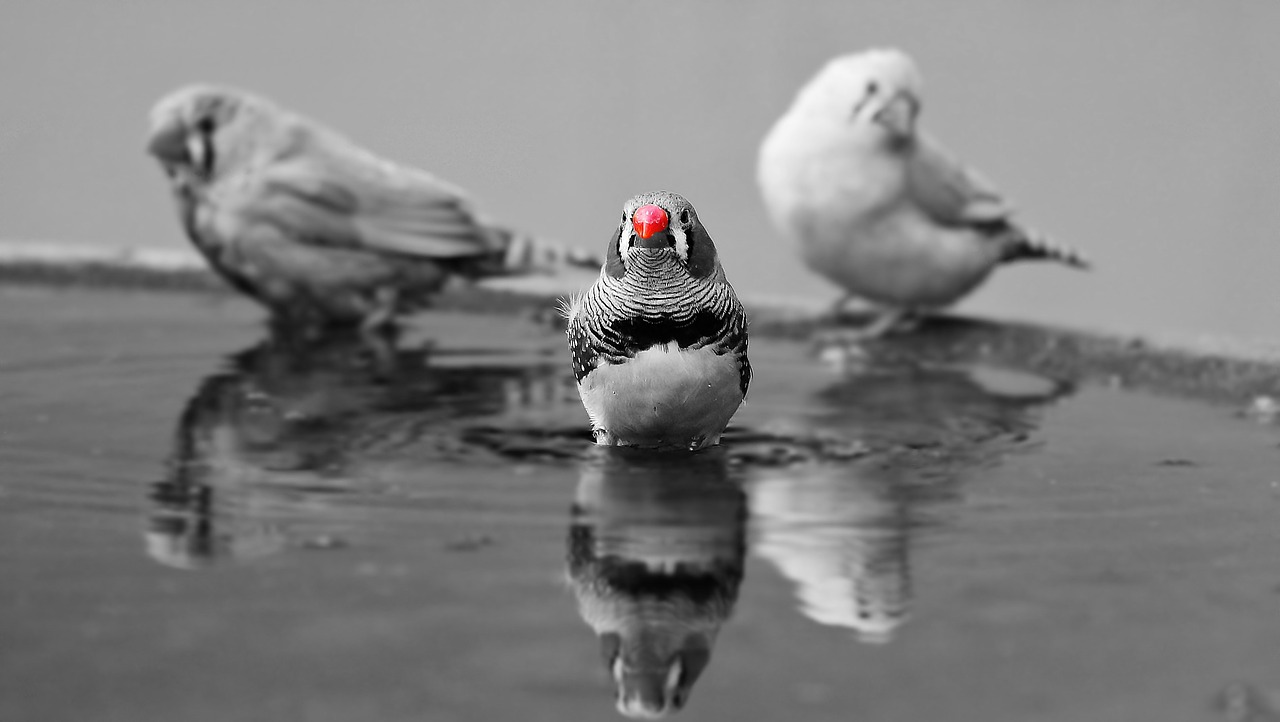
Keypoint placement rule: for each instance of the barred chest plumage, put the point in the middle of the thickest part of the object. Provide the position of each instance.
(660, 351)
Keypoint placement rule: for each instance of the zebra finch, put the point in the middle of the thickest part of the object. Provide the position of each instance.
(659, 342)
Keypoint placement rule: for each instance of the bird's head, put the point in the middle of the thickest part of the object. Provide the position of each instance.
(876, 89)
(654, 669)
(198, 130)
(661, 230)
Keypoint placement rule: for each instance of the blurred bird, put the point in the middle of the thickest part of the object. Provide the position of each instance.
(314, 227)
(878, 206)
(659, 342)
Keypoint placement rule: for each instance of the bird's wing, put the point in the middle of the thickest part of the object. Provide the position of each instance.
(948, 191)
(362, 202)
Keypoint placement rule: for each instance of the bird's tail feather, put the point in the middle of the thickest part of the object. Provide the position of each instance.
(520, 253)
(1034, 246)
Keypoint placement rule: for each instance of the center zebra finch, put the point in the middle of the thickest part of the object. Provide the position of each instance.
(659, 341)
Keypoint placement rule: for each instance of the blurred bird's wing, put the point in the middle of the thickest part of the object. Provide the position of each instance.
(362, 202)
(948, 191)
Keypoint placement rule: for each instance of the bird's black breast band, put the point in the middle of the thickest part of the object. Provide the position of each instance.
(620, 339)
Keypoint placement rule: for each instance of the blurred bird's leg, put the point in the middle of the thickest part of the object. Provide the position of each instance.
(841, 310)
(383, 316)
(889, 320)
(381, 341)
(898, 320)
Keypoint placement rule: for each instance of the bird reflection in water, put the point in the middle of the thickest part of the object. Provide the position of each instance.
(267, 443)
(841, 532)
(656, 550)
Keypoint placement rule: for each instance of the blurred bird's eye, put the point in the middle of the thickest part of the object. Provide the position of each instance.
(205, 125)
(872, 87)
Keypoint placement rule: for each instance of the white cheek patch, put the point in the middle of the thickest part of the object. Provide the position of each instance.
(624, 239)
(682, 244)
(197, 149)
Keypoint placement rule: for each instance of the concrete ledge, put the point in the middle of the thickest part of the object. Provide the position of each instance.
(184, 270)
(97, 267)
(1232, 373)
(1223, 371)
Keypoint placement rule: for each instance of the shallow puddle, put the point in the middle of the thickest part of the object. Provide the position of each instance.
(197, 523)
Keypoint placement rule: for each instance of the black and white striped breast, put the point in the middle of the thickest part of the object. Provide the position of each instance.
(655, 305)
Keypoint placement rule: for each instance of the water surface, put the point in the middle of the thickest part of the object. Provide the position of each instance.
(198, 522)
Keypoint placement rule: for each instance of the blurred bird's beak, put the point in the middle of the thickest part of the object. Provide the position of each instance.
(168, 143)
(172, 145)
(899, 114)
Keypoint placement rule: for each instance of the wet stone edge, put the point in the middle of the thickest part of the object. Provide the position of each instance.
(1237, 373)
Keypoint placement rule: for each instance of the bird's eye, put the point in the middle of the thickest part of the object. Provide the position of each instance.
(684, 216)
(872, 87)
(205, 125)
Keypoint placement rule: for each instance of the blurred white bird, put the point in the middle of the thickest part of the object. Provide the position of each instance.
(316, 228)
(876, 205)
(659, 342)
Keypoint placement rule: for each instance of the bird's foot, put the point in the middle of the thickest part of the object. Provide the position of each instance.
(850, 308)
(380, 320)
(705, 441)
(381, 345)
(381, 316)
(897, 320)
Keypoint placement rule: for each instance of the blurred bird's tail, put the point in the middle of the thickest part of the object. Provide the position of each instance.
(1032, 246)
(520, 253)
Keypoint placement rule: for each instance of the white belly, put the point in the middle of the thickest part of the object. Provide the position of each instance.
(845, 205)
(663, 396)
(903, 259)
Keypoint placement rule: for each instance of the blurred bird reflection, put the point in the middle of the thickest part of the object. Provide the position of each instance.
(656, 550)
(841, 533)
(288, 425)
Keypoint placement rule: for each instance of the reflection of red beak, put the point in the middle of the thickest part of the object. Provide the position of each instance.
(649, 220)
(649, 686)
(899, 114)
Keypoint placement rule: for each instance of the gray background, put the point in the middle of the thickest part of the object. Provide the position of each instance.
(1143, 132)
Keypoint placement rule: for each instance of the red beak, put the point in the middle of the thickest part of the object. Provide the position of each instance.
(649, 220)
